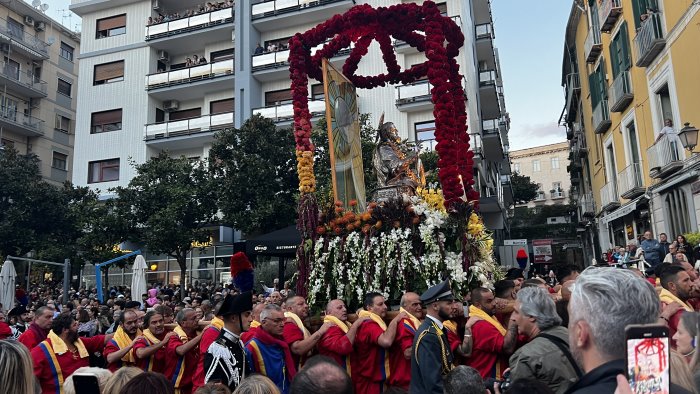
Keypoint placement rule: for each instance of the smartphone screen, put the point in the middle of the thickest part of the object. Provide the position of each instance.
(86, 384)
(648, 358)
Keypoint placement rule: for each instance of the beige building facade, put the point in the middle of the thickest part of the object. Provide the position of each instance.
(546, 165)
(38, 82)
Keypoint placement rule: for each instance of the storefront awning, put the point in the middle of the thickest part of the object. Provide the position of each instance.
(281, 243)
(622, 211)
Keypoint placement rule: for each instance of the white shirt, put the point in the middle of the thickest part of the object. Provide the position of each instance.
(438, 322)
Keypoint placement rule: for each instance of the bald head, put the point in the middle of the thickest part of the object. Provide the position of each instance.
(256, 311)
(411, 303)
(337, 309)
(321, 375)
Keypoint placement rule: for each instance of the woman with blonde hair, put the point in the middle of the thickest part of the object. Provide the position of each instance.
(120, 378)
(17, 372)
(101, 374)
(680, 373)
(687, 339)
(256, 384)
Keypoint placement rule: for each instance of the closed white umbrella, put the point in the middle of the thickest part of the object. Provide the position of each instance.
(138, 279)
(7, 285)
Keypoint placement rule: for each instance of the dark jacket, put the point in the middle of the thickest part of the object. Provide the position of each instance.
(603, 380)
(429, 354)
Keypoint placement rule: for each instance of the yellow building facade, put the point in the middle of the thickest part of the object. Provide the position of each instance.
(631, 78)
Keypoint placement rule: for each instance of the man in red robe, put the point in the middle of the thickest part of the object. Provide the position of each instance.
(149, 350)
(182, 354)
(400, 353)
(337, 342)
(370, 365)
(209, 336)
(118, 351)
(62, 353)
(297, 336)
(39, 329)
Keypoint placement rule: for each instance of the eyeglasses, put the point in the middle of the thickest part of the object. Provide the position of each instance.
(277, 321)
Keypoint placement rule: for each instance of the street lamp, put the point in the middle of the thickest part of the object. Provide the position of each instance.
(154, 267)
(688, 136)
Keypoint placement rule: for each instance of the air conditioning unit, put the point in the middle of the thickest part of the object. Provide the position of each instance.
(171, 105)
(163, 56)
(28, 20)
(40, 26)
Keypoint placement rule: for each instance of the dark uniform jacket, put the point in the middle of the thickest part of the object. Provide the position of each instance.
(225, 361)
(431, 358)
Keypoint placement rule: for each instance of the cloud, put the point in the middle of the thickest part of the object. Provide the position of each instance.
(528, 135)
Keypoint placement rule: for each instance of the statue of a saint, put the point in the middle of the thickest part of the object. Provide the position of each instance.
(395, 162)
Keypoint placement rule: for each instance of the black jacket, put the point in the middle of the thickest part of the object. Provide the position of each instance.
(431, 359)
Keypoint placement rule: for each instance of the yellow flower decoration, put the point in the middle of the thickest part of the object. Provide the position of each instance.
(305, 169)
(432, 197)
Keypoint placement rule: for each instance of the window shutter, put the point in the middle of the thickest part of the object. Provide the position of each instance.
(221, 106)
(108, 71)
(271, 98)
(593, 86)
(185, 114)
(107, 117)
(111, 22)
(626, 53)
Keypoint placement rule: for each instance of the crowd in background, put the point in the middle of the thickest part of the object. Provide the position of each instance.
(209, 6)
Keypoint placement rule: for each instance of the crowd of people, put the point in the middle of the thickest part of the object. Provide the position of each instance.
(564, 333)
(209, 6)
(648, 252)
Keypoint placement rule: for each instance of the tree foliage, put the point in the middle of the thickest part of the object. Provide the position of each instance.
(430, 166)
(170, 202)
(524, 190)
(254, 171)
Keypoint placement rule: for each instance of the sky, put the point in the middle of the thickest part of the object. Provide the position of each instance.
(530, 42)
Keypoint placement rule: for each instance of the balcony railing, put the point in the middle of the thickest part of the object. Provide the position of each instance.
(476, 144)
(189, 24)
(413, 91)
(650, 40)
(11, 115)
(484, 31)
(26, 79)
(630, 181)
(275, 7)
(621, 93)
(664, 157)
(184, 127)
(284, 112)
(601, 117)
(608, 13)
(487, 77)
(190, 74)
(587, 205)
(556, 194)
(29, 41)
(401, 43)
(593, 45)
(280, 58)
(609, 197)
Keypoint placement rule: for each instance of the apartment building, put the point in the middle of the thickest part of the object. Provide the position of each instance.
(38, 68)
(630, 78)
(546, 166)
(139, 96)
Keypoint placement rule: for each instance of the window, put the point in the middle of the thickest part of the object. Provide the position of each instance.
(185, 114)
(663, 98)
(536, 165)
(642, 7)
(60, 161)
(221, 55)
(62, 123)
(64, 87)
(443, 8)
(516, 167)
(11, 69)
(540, 192)
(221, 106)
(66, 51)
(102, 122)
(677, 215)
(278, 44)
(103, 171)
(112, 26)
(555, 162)
(598, 85)
(317, 92)
(425, 135)
(277, 97)
(109, 72)
(8, 143)
(15, 28)
(620, 52)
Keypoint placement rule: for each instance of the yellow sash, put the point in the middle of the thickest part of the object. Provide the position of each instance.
(474, 311)
(375, 318)
(450, 325)
(151, 338)
(341, 324)
(123, 341)
(298, 322)
(218, 323)
(414, 320)
(181, 333)
(60, 347)
(667, 298)
(254, 324)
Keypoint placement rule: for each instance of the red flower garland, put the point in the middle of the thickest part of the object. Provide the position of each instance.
(361, 25)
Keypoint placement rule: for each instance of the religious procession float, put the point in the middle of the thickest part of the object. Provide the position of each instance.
(405, 236)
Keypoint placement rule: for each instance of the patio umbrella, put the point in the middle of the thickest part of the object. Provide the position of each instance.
(138, 279)
(7, 285)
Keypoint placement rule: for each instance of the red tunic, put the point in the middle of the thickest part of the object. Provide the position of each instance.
(110, 348)
(180, 370)
(291, 334)
(29, 339)
(248, 335)
(154, 362)
(336, 345)
(5, 330)
(400, 366)
(369, 366)
(209, 336)
(453, 339)
(44, 367)
(488, 344)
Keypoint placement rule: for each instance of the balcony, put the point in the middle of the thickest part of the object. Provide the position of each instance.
(587, 205)
(556, 194)
(601, 117)
(492, 140)
(664, 158)
(621, 92)
(477, 146)
(20, 123)
(414, 96)
(283, 114)
(608, 13)
(630, 181)
(573, 92)
(608, 196)
(592, 46)
(507, 190)
(26, 84)
(22, 42)
(279, 14)
(488, 94)
(271, 66)
(485, 50)
(185, 133)
(190, 24)
(191, 82)
(403, 48)
(649, 41)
